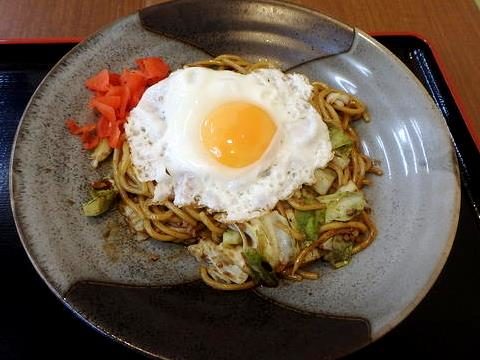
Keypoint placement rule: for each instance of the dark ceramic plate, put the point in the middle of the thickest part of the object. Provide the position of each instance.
(159, 307)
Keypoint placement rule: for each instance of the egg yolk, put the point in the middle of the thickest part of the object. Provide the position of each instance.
(237, 133)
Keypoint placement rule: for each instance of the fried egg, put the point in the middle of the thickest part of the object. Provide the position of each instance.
(234, 143)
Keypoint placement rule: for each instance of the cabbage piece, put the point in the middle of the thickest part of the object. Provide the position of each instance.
(224, 263)
(341, 156)
(340, 251)
(348, 187)
(344, 204)
(348, 205)
(101, 152)
(260, 270)
(342, 149)
(102, 201)
(231, 237)
(271, 239)
(341, 161)
(290, 213)
(309, 222)
(324, 178)
(339, 138)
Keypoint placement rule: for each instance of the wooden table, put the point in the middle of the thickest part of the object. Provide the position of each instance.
(451, 27)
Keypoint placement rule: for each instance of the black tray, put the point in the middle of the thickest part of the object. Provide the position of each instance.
(35, 324)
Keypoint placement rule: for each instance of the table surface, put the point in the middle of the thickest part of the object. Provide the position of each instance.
(452, 28)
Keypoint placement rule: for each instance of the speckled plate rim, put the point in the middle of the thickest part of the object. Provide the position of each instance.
(393, 323)
(453, 225)
(76, 48)
(82, 43)
(456, 208)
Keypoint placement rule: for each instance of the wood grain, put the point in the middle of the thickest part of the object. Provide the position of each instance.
(60, 18)
(451, 27)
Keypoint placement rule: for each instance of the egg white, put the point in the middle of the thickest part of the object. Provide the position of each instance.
(163, 132)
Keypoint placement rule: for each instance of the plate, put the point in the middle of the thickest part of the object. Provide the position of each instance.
(159, 307)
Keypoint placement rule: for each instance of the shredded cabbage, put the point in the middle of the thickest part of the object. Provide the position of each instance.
(260, 271)
(309, 222)
(101, 152)
(340, 251)
(224, 263)
(324, 178)
(339, 138)
(231, 237)
(342, 146)
(344, 204)
(270, 237)
(341, 161)
(102, 201)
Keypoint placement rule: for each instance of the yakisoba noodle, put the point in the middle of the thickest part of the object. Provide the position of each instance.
(186, 225)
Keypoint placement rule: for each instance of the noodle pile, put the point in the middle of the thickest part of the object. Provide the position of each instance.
(187, 225)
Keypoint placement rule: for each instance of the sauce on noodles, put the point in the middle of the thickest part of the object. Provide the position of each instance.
(190, 224)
